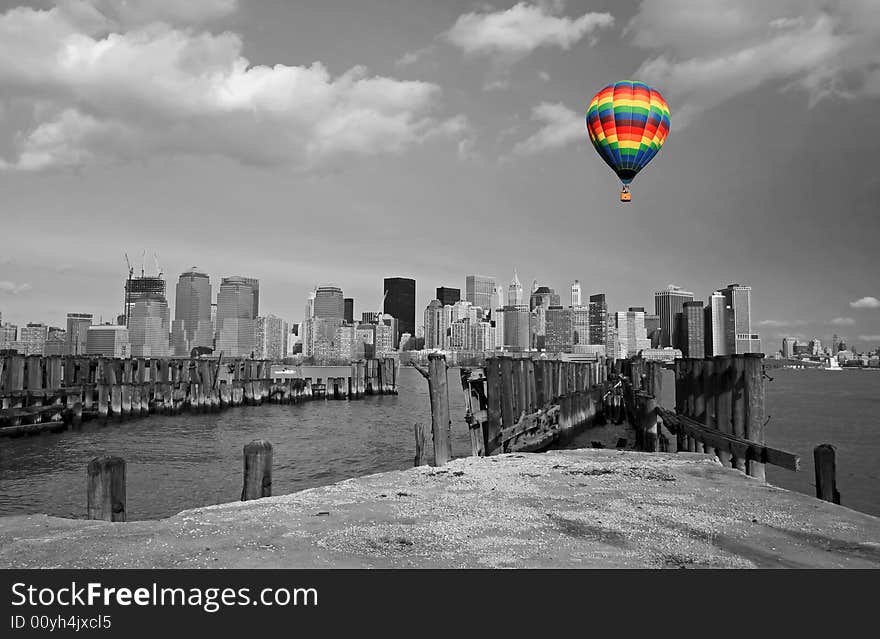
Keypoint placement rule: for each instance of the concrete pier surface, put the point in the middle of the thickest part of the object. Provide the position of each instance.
(589, 508)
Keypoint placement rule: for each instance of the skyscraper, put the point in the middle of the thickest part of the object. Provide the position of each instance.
(77, 332)
(433, 322)
(348, 312)
(271, 337)
(149, 326)
(449, 296)
(715, 315)
(235, 320)
(143, 287)
(788, 347)
(192, 313)
(598, 319)
(629, 336)
(400, 303)
(667, 303)
(738, 330)
(108, 341)
(329, 302)
(33, 338)
(575, 294)
(479, 290)
(515, 291)
(693, 327)
(580, 325)
(517, 328)
(558, 335)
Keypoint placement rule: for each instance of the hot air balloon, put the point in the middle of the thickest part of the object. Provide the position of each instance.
(628, 123)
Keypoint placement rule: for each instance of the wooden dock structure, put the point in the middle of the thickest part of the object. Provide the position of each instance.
(51, 393)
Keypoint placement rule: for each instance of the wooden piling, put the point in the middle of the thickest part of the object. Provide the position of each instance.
(421, 433)
(257, 480)
(438, 388)
(824, 458)
(738, 409)
(723, 406)
(105, 497)
(754, 419)
(492, 428)
(708, 389)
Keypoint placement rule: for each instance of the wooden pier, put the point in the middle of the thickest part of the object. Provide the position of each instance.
(51, 393)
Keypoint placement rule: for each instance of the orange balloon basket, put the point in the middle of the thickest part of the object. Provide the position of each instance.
(625, 196)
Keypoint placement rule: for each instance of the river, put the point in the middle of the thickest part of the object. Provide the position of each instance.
(191, 460)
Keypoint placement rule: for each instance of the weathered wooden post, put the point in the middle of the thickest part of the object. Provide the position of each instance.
(754, 422)
(824, 458)
(738, 398)
(723, 421)
(708, 391)
(106, 488)
(257, 470)
(492, 429)
(421, 445)
(655, 383)
(438, 389)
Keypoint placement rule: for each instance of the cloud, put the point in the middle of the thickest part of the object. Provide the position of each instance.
(516, 32)
(772, 323)
(544, 76)
(411, 57)
(705, 52)
(869, 338)
(561, 126)
(102, 95)
(866, 302)
(842, 321)
(11, 288)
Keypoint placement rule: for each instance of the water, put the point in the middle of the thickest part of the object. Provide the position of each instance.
(175, 463)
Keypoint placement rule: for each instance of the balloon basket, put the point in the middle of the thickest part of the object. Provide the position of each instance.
(625, 196)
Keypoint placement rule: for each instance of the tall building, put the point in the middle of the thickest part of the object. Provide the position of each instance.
(235, 320)
(192, 313)
(400, 302)
(788, 347)
(271, 337)
(738, 330)
(433, 322)
(8, 335)
(348, 312)
(575, 294)
(693, 327)
(517, 328)
(715, 326)
(449, 296)
(558, 336)
(141, 288)
(149, 327)
(32, 338)
(370, 317)
(598, 312)
(629, 333)
(515, 291)
(77, 332)
(667, 303)
(580, 325)
(107, 340)
(329, 302)
(479, 291)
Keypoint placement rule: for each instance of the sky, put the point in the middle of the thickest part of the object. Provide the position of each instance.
(344, 142)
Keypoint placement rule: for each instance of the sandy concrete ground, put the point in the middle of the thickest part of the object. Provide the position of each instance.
(565, 508)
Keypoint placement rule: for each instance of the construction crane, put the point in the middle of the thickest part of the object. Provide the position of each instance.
(158, 268)
(128, 288)
(381, 310)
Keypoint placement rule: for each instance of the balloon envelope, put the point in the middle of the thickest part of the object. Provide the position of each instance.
(628, 123)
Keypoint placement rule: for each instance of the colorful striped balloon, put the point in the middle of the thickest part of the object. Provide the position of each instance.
(628, 123)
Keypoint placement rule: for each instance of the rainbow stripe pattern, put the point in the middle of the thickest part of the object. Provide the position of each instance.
(628, 123)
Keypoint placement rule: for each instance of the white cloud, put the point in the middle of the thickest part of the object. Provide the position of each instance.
(708, 51)
(561, 126)
(772, 323)
(544, 76)
(843, 321)
(869, 338)
(411, 57)
(11, 288)
(866, 302)
(103, 95)
(518, 31)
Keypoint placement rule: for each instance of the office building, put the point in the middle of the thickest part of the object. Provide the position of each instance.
(515, 291)
(32, 339)
(370, 317)
(693, 328)
(329, 302)
(192, 326)
(8, 335)
(630, 334)
(482, 337)
(236, 328)
(141, 288)
(271, 337)
(479, 291)
(107, 340)
(77, 332)
(788, 347)
(149, 327)
(575, 294)
(558, 335)
(598, 312)
(348, 310)
(715, 326)
(738, 329)
(433, 322)
(517, 328)
(449, 296)
(400, 303)
(667, 303)
(580, 325)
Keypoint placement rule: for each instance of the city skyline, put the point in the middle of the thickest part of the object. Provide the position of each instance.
(505, 128)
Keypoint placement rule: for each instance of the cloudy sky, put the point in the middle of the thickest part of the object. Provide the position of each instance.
(340, 141)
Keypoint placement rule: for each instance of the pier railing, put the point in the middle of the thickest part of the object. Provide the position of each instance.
(40, 393)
